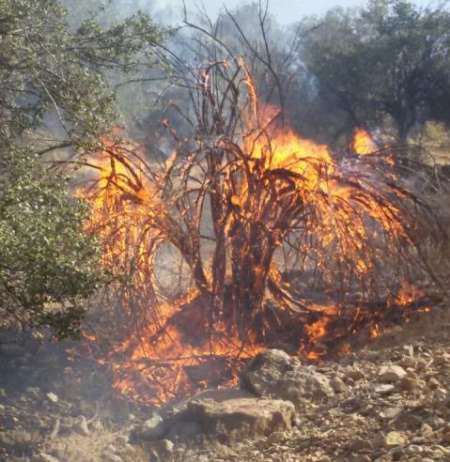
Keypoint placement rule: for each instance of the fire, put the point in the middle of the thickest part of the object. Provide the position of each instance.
(271, 190)
(289, 151)
(375, 331)
(408, 294)
(363, 144)
(317, 329)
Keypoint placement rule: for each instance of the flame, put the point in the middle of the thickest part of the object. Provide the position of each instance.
(375, 331)
(159, 363)
(289, 151)
(408, 294)
(363, 144)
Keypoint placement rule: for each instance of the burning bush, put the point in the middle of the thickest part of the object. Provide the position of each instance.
(281, 243)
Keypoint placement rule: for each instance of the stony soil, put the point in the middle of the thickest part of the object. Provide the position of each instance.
(390, 402)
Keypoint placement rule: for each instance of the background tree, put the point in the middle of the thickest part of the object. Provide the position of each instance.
(385, 63)
(48, 70)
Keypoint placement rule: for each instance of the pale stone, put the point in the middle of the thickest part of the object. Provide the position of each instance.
(52, 397)
(395, 439)
(392, 374)
(384, 389)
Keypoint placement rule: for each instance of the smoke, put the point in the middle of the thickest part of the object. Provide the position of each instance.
(109, 12)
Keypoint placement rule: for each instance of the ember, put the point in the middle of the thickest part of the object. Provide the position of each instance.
(281, 243)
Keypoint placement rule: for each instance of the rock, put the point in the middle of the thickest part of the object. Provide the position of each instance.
(320, 383)
(275, 374)
(418, 440)
(409, 349)
(52, 397)
(267, 367)
(433, 383)
(47, 457)
(325, 458)
(214, 394)
(338, 385)
(242, 417)
(421, 363)
(395, 439)
(168, 446)
(397, 453)
(153, 428)
(440, 394)
(407, 361)
(383, 389)
(440, 452)
(414, 449)
(227, 415)
(392, 374)
(390, 412)
(354, 373)
(426, 430)
(363, 458)
(436, 422)
(409, 384)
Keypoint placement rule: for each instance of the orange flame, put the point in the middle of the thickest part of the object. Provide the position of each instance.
(363, 144)
(124, 205)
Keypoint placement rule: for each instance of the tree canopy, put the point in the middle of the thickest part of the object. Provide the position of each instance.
(54, 94)
(385, 62)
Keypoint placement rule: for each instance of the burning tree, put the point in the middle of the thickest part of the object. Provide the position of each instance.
(263, 221)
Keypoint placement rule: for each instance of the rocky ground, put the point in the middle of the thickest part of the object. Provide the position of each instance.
(389, 401)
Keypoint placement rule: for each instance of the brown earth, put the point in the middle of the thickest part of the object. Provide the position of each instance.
(389, 401)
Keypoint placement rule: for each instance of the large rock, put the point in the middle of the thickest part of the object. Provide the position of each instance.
(242, 417)
(276, 374)
(223, 415)
(180, 407)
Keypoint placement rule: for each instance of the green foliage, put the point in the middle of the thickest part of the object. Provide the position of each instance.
(55, 93)
(45, 67)
(47, 264)
(389, 60)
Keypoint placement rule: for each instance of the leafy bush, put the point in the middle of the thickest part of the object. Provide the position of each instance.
(47, 263)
